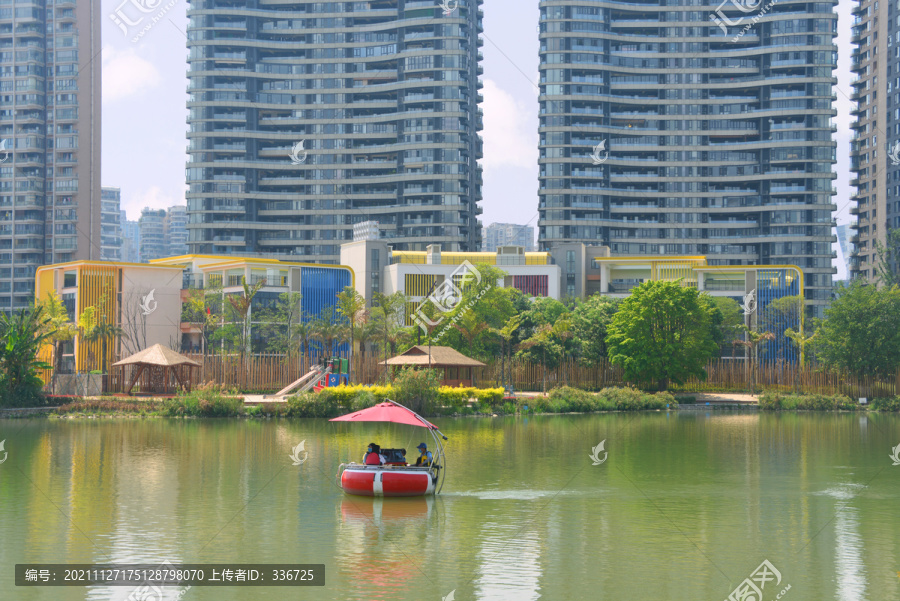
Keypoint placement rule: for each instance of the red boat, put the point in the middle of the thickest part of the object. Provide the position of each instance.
(395, 478)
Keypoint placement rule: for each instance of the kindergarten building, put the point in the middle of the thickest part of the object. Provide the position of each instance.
(145, 299)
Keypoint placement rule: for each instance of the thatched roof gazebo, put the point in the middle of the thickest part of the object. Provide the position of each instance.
(156, 363)
(456, 366)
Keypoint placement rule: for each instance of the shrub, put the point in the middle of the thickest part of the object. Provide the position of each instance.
(685, 399)
(417, 389)
(206, 400)
(886, 404)
(491, 396)
(777, 401)
(305, 404)
(567, 400)
(454, 397)
(363, 400)
(632, 399)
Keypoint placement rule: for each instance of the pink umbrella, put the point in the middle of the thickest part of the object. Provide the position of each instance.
(388, 411)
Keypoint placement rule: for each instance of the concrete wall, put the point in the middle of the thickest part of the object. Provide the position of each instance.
(162, 313)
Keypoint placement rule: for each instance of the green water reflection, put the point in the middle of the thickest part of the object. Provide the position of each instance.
(686, 506)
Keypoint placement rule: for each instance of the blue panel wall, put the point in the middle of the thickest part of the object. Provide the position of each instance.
(772, 284)
(319, 287)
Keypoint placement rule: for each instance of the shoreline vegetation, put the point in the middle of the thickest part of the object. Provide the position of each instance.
(217, 401)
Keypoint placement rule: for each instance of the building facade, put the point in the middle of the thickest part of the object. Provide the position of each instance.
(152, 225)
(147, 300)
(316, 286)
(875, 146)
(50, 209)
(110, 224)
(670, 130)
(508, 234)
(380, 269)
(309, 117)
(575, 271)
(131, 239)
(175, 226)
(143, 300)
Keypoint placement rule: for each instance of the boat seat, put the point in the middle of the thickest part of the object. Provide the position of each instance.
(394, 456)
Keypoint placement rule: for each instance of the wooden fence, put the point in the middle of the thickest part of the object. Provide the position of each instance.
(271, 372)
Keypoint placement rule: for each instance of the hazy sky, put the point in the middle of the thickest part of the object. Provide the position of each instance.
(145, 114)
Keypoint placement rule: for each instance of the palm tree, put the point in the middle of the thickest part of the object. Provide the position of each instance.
(104, 332)
(59, 328)
(754, 339)
(505, 334)
(240, 305)
(325, 329)
(387, 312)
(352, 307)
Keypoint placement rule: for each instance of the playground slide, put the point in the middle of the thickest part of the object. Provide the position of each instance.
(315, 370)
(315, 381)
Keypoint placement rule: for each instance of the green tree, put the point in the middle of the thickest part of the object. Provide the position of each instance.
(21, 337)
(240, 306)
(60, 329)
(888, 259)
(468, 326)
(662, 333)
(326, 329)
(95, 327)
(543, 347)
(751, 342)
(861, 331)
(506, 335)
(203, 308)
(731, 325)
(590, 321)
(352, 307)
(388, 322)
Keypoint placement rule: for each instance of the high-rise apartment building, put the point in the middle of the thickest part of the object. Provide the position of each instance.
(508, 234)
(175, 226)
(110, 224)
(666, 129)
(153, 234)
(49, 140)
(131, 239)
(875, 146)
(308, 117)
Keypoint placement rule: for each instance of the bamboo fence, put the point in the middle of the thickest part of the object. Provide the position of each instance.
(271, 372)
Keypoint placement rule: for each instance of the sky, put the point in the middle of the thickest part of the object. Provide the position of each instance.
(145, 114)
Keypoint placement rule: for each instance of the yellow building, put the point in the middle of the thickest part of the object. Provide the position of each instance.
(143, 300)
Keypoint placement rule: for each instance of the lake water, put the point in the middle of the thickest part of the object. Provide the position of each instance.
(686, 506)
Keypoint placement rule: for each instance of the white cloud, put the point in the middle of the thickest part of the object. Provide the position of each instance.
(151, 198)
(510, 129)
(126, 74)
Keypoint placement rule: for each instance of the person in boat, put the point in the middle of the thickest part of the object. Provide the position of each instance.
(425, 459)
(373, 455)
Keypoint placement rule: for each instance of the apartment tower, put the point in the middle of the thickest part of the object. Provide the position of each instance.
(49, 140)
(110, 224)
(668, 129)
(875, 146)
(309, 117)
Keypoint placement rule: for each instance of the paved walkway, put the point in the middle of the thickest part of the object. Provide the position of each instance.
(731, 398)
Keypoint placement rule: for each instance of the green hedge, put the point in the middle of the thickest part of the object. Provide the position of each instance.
(206, 400)
(574, 400)
(777, 401)
(886, 404)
